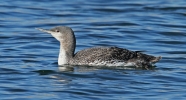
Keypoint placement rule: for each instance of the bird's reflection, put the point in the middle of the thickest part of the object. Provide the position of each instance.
(66, 68)
(73, 68)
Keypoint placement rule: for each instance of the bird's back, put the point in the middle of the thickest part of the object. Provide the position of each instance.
(111, 56)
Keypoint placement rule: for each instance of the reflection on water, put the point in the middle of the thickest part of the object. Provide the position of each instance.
(70, 68)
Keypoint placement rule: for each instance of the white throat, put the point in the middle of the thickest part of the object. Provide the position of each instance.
(62, 59)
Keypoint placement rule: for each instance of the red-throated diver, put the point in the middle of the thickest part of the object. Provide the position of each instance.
(96, 56)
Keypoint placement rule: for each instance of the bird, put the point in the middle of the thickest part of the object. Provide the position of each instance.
(96, 56)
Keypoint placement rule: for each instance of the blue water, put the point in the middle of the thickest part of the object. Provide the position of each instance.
(28, 64)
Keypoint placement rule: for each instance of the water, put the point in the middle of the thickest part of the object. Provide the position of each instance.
(28, 62)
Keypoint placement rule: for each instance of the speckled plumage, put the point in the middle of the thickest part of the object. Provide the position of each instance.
(112, 56)
(96, 56)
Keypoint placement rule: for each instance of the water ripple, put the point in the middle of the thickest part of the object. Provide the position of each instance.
(29, 67)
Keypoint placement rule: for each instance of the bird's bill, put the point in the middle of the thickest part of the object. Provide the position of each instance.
(43, 30)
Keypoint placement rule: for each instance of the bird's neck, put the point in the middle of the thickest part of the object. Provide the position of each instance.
(66, 53)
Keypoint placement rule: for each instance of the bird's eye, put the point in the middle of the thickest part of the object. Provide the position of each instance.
(57, 30)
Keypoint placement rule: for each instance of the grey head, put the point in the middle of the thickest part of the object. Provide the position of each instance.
(65, 36)
(61, 33)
